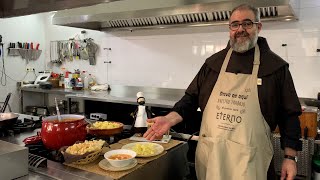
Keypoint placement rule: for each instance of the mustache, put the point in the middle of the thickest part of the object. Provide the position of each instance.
(241, 34)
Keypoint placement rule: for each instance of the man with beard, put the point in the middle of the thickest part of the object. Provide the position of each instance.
(244, 92)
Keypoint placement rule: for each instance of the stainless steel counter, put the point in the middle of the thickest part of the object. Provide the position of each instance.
(172, 165)
(157, 97)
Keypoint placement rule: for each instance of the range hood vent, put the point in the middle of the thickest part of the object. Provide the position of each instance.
(146, 14)
(13, 8)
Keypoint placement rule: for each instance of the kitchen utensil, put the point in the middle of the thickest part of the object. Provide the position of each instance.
(8, 119)
(57, 108)
(56, 134)
(88, 121)
(37, 110)
(33, 139)
(92, 49)
(138, 137)
(85, 158)
(5, 104)
(105, 132)
(42, 77)
(84, 53)
(305, 133)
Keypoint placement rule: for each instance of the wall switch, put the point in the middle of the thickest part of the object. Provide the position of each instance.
(30, 69)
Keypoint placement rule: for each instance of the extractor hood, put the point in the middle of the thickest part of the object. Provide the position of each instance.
(12, 8)
(144, 14)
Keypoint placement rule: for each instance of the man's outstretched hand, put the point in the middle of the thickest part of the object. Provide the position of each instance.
(160, 125)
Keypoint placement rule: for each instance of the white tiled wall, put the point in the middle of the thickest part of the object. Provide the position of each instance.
(171, 57)
(23, 29)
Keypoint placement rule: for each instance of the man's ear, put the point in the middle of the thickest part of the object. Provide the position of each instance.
(259, 26)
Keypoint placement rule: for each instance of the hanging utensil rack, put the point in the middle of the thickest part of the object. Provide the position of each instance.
(69, 50)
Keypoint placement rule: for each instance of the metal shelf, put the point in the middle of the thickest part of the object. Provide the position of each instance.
(28, 54)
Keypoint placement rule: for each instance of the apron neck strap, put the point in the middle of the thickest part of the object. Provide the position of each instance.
(256, 61)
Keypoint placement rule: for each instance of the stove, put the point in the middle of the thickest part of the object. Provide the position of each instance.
(39, 149)
(45, 163)
(24, 123)
(29, 126)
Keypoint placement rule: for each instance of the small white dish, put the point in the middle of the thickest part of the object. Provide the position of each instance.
(120, 162)
(104, 164)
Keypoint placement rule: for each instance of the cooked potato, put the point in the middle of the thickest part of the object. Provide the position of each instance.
(144, 149)
(105, 125)
(86, 146)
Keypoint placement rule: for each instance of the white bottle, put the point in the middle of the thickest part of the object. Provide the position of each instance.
(86, 82)
(91, 81)
(84, 78)
(67, 84)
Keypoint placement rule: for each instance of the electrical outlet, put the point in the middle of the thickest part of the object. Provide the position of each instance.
(30, 69)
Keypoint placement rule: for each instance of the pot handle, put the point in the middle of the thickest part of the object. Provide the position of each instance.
(33, 139)
(83, 123)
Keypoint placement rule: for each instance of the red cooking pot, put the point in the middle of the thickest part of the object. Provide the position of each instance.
(56, 134)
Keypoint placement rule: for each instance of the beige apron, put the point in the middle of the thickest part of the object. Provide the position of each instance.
(235, 139)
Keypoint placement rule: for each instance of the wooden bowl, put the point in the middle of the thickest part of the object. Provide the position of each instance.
(105, 132)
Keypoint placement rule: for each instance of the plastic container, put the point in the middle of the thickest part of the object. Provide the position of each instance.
(91, 81)
(85, 80)
(67, 84)
(61, 81)
(54, 82)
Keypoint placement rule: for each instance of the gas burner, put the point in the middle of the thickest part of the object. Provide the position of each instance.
(22, 117)
(4, 132)
(26, 125)
(40, 150)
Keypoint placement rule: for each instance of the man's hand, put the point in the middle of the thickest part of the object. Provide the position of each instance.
(289, 169)
(158, 129)
(162, 124)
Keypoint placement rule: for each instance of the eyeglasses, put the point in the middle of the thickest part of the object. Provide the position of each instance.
(247, 24)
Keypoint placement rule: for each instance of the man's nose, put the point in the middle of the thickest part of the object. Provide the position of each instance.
(241, 29)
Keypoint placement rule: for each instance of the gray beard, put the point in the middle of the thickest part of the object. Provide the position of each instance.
(244, 46)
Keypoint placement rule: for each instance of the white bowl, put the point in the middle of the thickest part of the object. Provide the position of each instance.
(120, 163)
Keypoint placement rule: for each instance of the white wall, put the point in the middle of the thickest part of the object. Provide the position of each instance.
(22, 29)
(171, 57)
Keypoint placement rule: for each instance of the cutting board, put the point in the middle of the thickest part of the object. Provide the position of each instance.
(307, 119)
